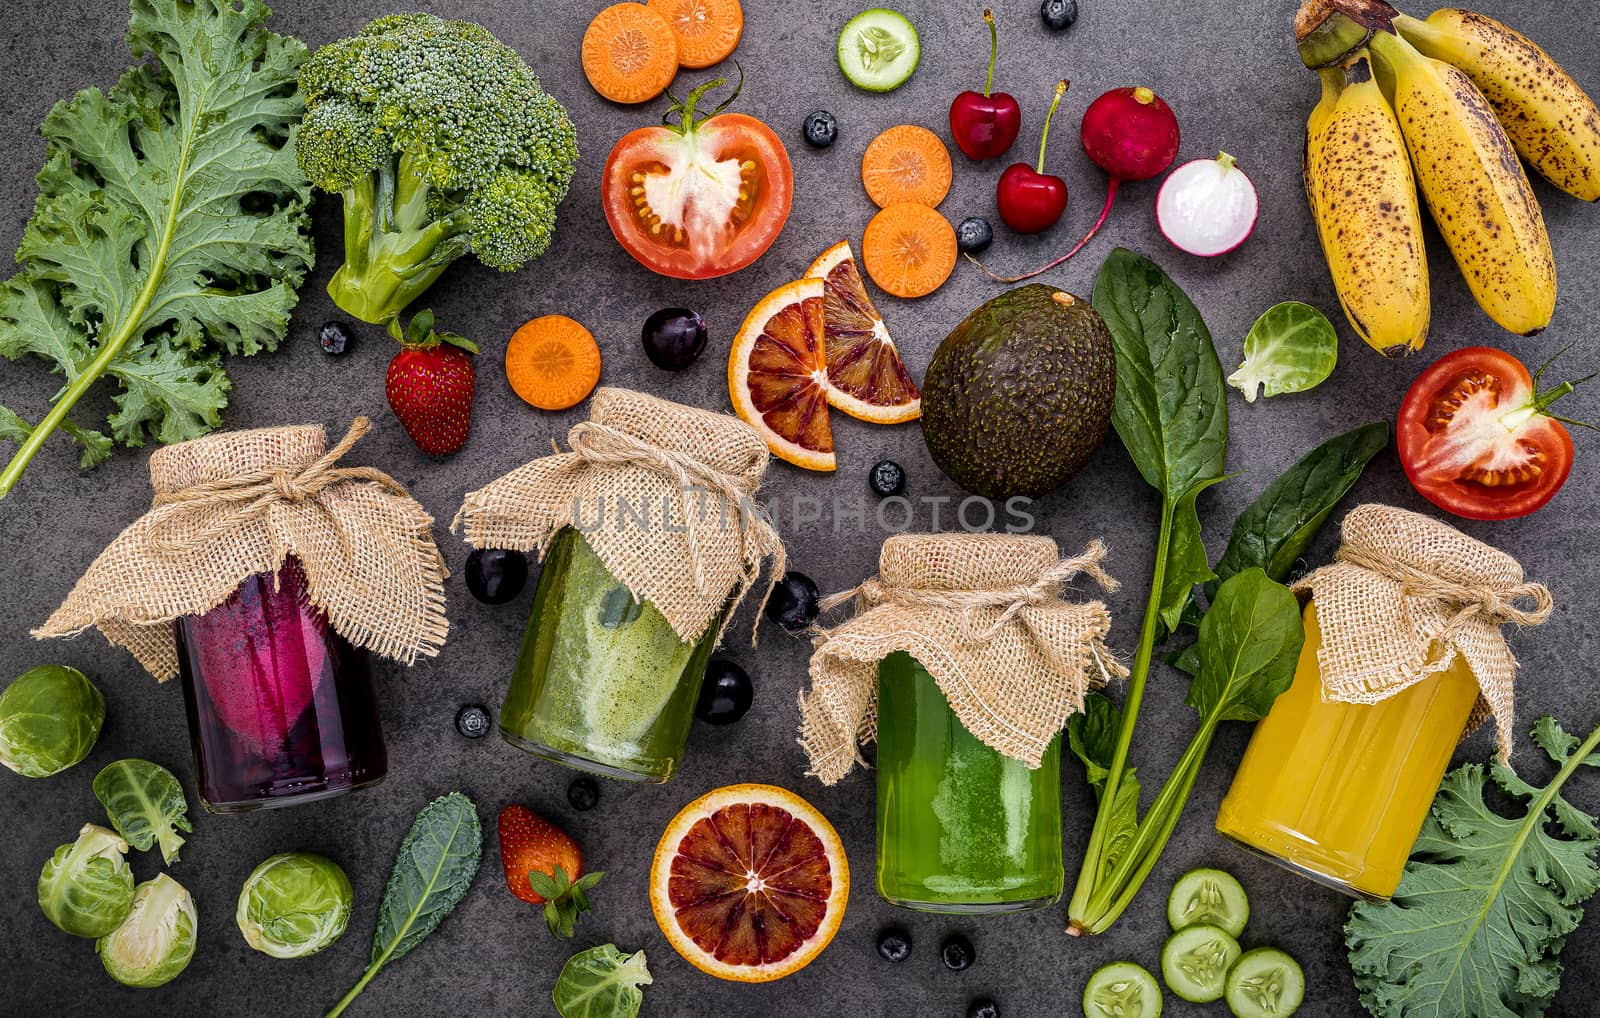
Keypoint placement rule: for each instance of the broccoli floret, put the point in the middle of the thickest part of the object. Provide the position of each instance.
(441, 142)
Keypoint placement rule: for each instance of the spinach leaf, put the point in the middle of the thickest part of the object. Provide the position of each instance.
(1278, 526)
(146, 805)
(1092, 737)
(1249, 645)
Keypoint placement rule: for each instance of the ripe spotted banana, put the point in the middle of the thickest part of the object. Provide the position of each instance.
(1550, 120)
(1474, 184)
(1365, 205)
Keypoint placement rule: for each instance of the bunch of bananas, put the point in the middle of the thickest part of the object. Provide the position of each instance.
(1462, 94)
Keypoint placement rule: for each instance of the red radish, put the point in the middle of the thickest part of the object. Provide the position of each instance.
(1031, 200)
(1132, 135)
(1207, 207)
(984, 126)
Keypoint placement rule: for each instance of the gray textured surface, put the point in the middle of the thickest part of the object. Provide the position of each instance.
(1231, 75)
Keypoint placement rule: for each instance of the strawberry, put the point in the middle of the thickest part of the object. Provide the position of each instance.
(430, 385)
(544, 866)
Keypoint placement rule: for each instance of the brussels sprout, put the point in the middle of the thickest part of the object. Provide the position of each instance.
(87, 888)
(145, 804)
(156, 942)
(294, 904)
(50, 718)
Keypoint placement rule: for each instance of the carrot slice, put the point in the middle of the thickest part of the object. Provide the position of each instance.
(630, 53)
(909, 250)
(906, 163)
(553, 362)
(708, 31)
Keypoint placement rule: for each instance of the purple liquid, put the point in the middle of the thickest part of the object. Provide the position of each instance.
(281, 707)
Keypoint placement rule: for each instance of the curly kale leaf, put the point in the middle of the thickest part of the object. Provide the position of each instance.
(171, 227)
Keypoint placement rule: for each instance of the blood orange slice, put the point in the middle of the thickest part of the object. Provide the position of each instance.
(778, 375)
(749, 883)
(866, 378)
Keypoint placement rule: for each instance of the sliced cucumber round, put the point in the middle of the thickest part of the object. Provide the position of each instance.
(1207, 897)
(1122, 990)
(1265, 983)
(878, 50)
(1196, 960)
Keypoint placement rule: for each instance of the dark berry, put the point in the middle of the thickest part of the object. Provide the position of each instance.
(894, 944)
(583, 794)
(473, 721)
(886, 478)
(974, 235)
(1058, 14)
(673, 338)
(725, 695)
(957, 952)
(496, 575)
(983, 1007)
(822, 129)
(334, 337)
(794, 602)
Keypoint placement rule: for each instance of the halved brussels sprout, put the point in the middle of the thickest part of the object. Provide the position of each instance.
(50, 717)
(294, 904)
(87, 887)
(156, 942)
(145, 804)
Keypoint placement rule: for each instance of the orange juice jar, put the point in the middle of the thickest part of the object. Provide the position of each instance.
(1402, 646)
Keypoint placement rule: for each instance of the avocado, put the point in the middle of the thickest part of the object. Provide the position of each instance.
(1019, 396)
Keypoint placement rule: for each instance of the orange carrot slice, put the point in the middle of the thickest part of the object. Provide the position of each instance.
(909, 250)
(629, 53)
(708, 31)
(906, 164)
(553, 362)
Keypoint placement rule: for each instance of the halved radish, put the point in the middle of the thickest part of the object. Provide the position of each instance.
(866, 378)
(1207, 207)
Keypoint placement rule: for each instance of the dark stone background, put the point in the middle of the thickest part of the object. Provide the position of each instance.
(1231, 74)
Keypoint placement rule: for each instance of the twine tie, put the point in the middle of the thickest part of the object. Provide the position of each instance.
(1473, 601)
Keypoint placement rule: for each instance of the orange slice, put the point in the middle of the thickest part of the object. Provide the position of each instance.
(749, 883)
(708, 31)
(629, 53)
(909, 249)
(778, 375)
(866, 378)
(906, 163)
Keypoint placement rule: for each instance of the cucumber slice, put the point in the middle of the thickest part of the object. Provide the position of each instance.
(1207, 897)
(1195, 962)
(1122, 990)
(878, 50)
(1265, 983)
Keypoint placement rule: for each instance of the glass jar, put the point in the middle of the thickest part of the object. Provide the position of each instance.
(602, 682)
(962, 828)
(1339, 791)
(281, 707)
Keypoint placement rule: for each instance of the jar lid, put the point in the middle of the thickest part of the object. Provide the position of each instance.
(228, 454)
(964, 561)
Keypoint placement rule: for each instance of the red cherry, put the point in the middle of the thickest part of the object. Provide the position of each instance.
(1030, 199)
(985, 124)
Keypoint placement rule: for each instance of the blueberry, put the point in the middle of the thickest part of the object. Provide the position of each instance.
(334, 337)
(794, 602)
(886, 478)
(1058, 14)
(725, 695)
(822, 129)
(957, 952)
(473, 721)
(583, 794)
(673, 338)
(496, 575)
(894, 944)
(983, 1007)
(974, 235)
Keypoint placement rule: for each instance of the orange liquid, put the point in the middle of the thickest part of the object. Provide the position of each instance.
(1339, 791)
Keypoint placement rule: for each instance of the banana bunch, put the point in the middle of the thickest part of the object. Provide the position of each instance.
(1445, 107)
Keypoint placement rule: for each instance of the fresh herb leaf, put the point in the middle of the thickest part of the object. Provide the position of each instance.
(1092, 737)
(436, 864)
(1485, 906)
(1249, 644)
(1186, 561)
(146, 805)
(171, 226)
(601, 982)
(1290, 348)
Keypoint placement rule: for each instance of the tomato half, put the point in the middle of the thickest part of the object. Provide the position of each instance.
(701, 199)
(1474, 437)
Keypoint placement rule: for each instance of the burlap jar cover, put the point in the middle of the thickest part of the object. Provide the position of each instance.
(984, 614)
(1405, 595)
(234, 504)
(663, 493)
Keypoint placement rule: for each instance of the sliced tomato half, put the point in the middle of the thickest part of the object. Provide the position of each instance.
(701, 198)
(1475, 436)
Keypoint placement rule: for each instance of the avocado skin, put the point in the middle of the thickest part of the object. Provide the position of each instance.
(1019, 396)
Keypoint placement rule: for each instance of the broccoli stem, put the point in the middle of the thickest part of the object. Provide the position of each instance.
(394, 248)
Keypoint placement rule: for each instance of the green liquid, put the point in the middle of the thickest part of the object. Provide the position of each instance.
(961, 828)
(602, 682)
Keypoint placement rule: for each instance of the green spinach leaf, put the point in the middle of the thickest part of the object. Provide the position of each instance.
(146, 805)
(1249, 644)
(1092, 737)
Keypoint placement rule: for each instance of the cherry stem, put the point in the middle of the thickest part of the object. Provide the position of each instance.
(994, 51)
(1044, 135)
(1111, 197)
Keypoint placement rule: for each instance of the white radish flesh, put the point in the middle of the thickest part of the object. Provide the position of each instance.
(1207, 207)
